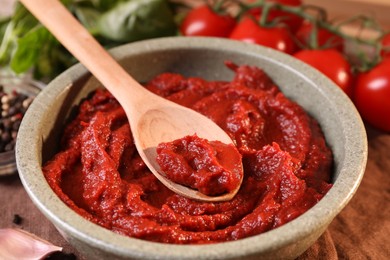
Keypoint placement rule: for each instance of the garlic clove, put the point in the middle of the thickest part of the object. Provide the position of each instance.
(16, 244)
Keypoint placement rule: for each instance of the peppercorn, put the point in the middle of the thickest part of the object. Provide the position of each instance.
(12, 108)
(61, 256)
(17, 219)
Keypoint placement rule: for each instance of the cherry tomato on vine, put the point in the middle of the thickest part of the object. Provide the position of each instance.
(291, 20)
(204, 21)
(331, 63)
(279, 38)
(372, 95)
(325, 38)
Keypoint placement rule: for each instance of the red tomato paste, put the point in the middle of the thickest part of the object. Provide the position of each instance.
(287, 164)
(211, 167)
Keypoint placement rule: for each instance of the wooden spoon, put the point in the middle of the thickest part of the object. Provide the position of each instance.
(152, 119)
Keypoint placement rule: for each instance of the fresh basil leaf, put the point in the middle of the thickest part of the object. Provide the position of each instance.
(105, 5)
(88, 17)
(52, 61)
(29, 48)
(3, 26)
(136, 20)
(24, 21)
(26, 45)
(7, 43)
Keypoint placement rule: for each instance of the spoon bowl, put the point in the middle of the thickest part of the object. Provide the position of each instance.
(172, 128)
(153, 119)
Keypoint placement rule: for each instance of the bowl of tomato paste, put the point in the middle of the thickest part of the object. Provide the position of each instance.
(301, 141)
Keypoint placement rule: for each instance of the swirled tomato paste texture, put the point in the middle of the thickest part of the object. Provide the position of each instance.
(287, 165)
(211, 167)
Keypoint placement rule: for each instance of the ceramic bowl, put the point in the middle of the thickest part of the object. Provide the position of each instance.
(41, 129)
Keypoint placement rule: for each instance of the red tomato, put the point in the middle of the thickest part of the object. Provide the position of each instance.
(325, 38)
(372, 95)
(278, 38)
(331, 63)
(291, 20)
(203, 21)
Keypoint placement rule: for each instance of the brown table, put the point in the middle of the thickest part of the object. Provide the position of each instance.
(360, 231)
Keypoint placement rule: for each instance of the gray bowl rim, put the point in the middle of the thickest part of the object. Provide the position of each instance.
(319, 215)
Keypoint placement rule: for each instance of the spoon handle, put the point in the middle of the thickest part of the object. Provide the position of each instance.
(61, 23)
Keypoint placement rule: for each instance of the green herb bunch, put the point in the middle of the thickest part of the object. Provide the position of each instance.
(27, 45)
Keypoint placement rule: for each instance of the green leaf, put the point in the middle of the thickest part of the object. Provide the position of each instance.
(7, 43)
(24, 21)
(25, 44)
(3, 26)
(107, 4)
(136, 20)
(29, 48)
(88, 17)
(20, 24)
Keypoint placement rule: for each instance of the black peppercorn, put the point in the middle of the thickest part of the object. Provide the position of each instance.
(61, 256)
(17, 219)
(12, 108)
